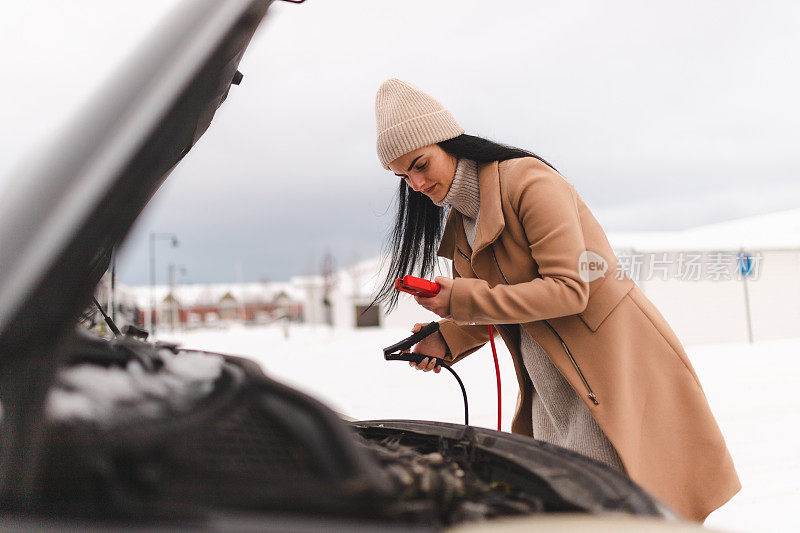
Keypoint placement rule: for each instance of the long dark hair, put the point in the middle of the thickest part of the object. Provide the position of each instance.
(414, 239)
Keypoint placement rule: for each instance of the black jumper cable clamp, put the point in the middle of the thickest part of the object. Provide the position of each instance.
(400, 352)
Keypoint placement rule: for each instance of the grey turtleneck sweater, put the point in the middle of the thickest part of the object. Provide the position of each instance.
(559, 415)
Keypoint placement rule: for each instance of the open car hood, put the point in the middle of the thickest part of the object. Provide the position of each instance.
(61, 216)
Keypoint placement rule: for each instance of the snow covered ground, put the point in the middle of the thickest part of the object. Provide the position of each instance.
(751, 389)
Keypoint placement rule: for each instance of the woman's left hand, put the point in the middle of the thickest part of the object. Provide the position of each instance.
(439, 304)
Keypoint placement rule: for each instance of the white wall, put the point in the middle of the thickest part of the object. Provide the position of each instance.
(357, 284)
(713, 311)
(775, 297)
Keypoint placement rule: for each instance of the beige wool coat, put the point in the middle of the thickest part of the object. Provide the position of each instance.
(604, 335)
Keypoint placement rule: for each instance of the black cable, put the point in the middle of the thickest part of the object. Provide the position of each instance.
(399, 352)
(463, 391)
(417, 358)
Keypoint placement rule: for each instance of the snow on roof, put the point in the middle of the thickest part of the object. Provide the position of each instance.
(199, 294)
(778, 230)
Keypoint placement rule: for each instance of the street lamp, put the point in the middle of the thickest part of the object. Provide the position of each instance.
(150, 318)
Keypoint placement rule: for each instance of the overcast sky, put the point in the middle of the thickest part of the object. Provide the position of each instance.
(663, 115)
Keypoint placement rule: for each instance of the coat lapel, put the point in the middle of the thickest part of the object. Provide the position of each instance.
(490, 221)
(447, 246)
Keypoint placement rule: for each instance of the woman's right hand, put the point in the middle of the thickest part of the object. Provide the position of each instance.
(433, 345)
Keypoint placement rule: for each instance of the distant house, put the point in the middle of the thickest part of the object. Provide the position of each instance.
(213, 304)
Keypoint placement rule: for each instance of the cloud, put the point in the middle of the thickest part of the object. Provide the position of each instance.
(649, 109)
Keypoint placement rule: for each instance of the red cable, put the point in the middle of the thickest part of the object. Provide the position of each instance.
(497, 372)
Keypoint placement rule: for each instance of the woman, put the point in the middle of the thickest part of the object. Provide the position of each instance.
(599, 369)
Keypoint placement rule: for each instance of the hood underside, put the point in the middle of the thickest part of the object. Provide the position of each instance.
(61, 216)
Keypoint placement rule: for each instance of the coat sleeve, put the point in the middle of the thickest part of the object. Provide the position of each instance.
(462, 340)
(546, 205)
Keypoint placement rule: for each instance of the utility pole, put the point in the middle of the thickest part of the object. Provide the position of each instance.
(745, 267)
(328, 282)
(240, 283)
(112, 303)
(174, 303)
(151, 318)
(172, 308)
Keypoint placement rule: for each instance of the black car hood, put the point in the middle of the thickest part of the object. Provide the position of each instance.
(61, 216)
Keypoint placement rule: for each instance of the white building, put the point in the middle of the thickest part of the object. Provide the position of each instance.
(355, 289)
(720, 304)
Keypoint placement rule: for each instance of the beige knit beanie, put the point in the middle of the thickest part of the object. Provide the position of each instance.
(408, 119)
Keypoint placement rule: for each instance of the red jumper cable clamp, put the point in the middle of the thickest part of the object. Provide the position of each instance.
(417, 286)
